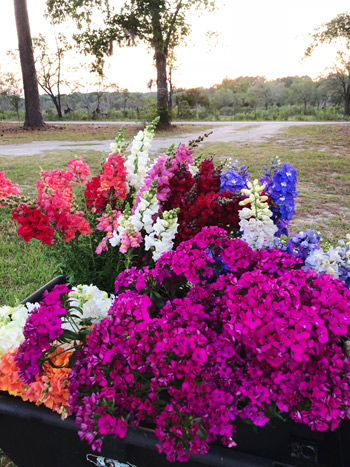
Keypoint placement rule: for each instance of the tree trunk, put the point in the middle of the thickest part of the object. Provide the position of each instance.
(57, 103)
(33, 115)
(162, 88)
(171, 90)
(347, 101)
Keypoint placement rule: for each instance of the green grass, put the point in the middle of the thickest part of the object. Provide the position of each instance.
(15, 134)
(316, 134)
(319, 154)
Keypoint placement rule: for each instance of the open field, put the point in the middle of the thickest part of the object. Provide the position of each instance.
(319, 153)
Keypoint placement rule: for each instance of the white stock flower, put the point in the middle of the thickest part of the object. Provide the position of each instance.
(94, 302)
(141, 219)
(12, 321)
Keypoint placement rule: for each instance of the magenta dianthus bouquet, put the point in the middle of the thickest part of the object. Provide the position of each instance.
(213, 333)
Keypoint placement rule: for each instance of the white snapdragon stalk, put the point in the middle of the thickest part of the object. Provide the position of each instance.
(162, 237)
(12, 321)
(256, 224)
(119, 147)
(147, 208)
(141, 219)
(137, 162)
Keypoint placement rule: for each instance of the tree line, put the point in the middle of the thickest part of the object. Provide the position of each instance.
(242, 98)
(163, 24)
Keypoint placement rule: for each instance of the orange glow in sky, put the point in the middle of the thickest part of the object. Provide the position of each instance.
(255, 38)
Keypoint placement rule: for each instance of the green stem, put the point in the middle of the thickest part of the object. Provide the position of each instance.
(86, 212)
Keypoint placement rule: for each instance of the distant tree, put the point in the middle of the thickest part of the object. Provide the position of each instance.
(263, 93)
(277, 91)
(323, 92)
(74, 97)
(125, 98)
(102, 90)
(303, 90)
(196, 97)
(287, 81)
(33, 114)
(341, 78)
(223, 97)
(49, 67)
(161, 24)
(338, 29)
(191, 100)
(11, 88)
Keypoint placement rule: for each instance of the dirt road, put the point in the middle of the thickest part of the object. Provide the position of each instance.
(226, 132)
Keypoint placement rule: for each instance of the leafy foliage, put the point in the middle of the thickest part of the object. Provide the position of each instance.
(337, 28)
(332, 31)
(161, 24)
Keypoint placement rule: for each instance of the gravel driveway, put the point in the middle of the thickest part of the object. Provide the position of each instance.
(226, 132)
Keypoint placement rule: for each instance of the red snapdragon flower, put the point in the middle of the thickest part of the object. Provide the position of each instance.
(108, 186)
(33, 224)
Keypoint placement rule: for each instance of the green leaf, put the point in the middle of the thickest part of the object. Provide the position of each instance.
(202, 433)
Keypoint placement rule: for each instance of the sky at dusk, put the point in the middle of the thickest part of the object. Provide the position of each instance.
(255, 38)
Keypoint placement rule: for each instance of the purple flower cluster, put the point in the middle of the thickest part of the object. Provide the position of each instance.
(275, 165)
(303, 243)
(280, 184)
(164, 169)
(43, 326)
(192, 356)
(234, 179)
(283, 190)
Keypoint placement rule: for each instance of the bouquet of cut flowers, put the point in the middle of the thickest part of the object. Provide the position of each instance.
(219, 313)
